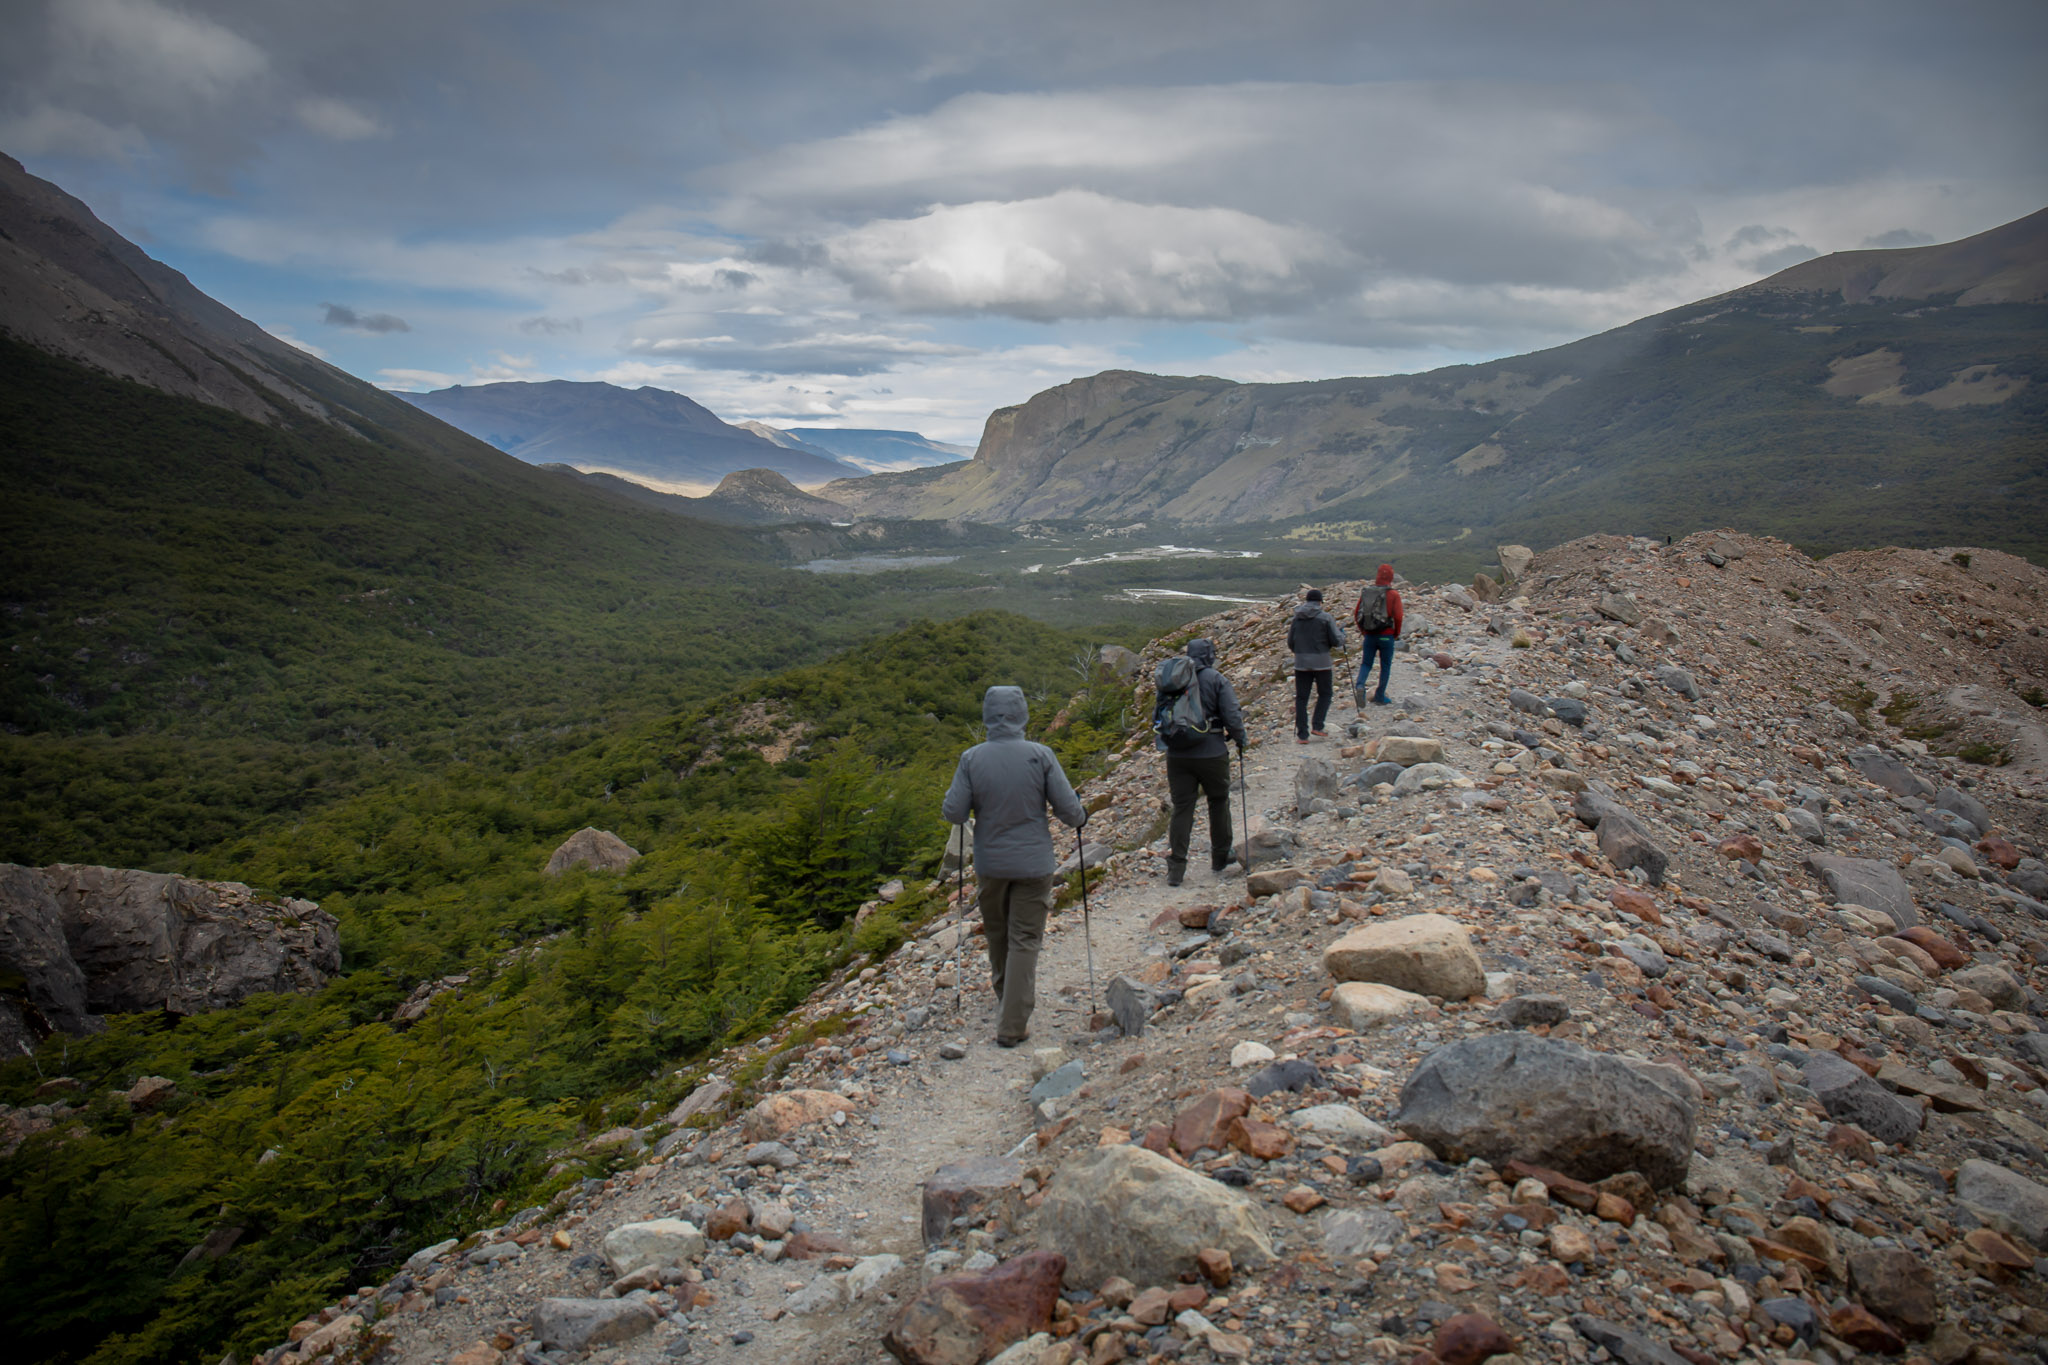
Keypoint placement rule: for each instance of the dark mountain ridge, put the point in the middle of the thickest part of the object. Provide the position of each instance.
(644, 433)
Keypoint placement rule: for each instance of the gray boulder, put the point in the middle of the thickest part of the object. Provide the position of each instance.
(1125, 1211)
(585, 1324)
(1315, 779)
(32, 947)
(1521, 700)
(2005, 1200)
(1627, 843)
(1376, 774)
(1865, 881)
(1132, 1002)
(975, 1189)
(1806, 825)
(1850, 1096)
(1620, 606)
(1423, 776)
(1679, 681)
(1552, 1103)
(1889, 773)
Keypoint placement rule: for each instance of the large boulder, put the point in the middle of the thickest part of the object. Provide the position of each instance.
(1851, 1096)
(967, 1318)
(1514, 560)
(1124, 1211)
(660, 1242)
(1315, 779)
(2005, 1200)
(1887, 772)
(1409, 750)
(1865, 881)
(1423, 954)
(600, 850)
(1627, 843)
(135, 941)
(1510, 1096)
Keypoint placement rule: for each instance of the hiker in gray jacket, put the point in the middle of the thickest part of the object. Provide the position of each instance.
(1311, 635)
(1203, 769)
(1006, 783)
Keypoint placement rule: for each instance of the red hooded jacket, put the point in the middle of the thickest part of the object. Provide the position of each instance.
(1385, 579)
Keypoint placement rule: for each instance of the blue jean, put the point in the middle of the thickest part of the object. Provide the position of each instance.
(1380, 647)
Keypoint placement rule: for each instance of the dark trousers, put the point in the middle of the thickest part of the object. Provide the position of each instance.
(1304, 679)
(1185, 778)
(1380, 647)
(1013, 911)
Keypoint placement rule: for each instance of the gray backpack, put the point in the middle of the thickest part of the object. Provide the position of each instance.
(1177, 717)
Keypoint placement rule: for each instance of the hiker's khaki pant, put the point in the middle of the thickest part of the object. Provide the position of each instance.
(1013, 911)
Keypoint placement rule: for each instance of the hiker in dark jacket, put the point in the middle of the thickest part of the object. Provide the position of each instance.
(1204, 768)
(1378, 605)
(1311, 636)
(1006, 783)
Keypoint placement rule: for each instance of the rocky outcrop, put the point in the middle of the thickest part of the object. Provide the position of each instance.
(1126, 1211)
(600, 850)
(100, 940)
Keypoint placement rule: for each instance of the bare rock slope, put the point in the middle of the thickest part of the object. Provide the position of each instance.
(1758, 1074)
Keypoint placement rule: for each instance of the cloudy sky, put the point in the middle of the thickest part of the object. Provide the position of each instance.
(817, 212)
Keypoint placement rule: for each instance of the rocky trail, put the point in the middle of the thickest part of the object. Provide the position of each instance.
(1656, 983)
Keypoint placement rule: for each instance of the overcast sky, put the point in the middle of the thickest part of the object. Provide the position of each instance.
(821, 212)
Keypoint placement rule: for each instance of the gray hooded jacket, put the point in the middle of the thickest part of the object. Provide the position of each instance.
(1312, 634)
(1006, 783)
(1219, 703)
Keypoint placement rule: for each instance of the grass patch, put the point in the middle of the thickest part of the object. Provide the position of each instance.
(1984, 753)
(1857, 700)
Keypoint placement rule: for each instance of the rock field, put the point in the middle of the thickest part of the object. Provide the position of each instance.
(1650, 983)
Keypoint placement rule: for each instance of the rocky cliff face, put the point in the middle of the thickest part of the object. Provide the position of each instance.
(78, 942)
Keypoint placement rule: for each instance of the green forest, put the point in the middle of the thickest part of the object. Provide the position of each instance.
(391, 677)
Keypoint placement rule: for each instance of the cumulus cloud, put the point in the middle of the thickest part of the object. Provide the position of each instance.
(547, 326)
(1082, 254)
(341, 315)
(47, 130)
(289, 338)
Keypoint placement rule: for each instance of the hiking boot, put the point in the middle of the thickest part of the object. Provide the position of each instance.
(1011, 1042)
(1175, 872)
(1320, 734)
(1301, 739)
(1382, 701)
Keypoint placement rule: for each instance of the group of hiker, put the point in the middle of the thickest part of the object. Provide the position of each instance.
(1007, 783)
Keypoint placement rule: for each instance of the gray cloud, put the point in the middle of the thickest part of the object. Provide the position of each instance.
(340, 315)
(1899, 237)
(547, 326)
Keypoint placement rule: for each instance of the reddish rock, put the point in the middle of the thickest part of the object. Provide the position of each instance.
(1158, 1138)
(1851, 1142)
(1856, 1325)
(1195, 916)
(1186, 1297)
(1301, 1199)
(980, 1188)
(1565, 1190)
(1442, 660)
(1470, 1338)
(1744, 846)
(1612, 1208)
(2000, 851)
(1256, 1137)
(1946, 955)
(1206, 1123)
(806, 1245)
(965, 1319)
(734, 1215)
(1214, 1263)
(1545, 1279)
(1637, 903)
(1993, 1255)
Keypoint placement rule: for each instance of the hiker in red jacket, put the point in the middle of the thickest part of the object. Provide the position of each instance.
(1378, 617)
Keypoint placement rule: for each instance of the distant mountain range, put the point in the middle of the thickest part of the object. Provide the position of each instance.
(658, 436)
(1861, 398)
(747, 497)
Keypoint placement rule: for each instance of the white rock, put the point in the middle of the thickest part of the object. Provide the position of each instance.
(869, 1272)
(1365, 1005)
(1250, 1054)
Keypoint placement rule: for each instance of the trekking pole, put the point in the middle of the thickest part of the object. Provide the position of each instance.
(1244, 792)
(960, 871)
(1087, 927)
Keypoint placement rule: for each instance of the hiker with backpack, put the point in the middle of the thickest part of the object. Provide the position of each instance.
(1378, 618)
(1196, 713)
(1007, 783)
(1311, 635)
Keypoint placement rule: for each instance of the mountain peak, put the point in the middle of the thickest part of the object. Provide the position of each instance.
(2008, 264)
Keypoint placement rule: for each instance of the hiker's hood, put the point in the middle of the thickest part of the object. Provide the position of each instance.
(1003, 711)
(1203, 653)
(1386, 576)
(1309, 609)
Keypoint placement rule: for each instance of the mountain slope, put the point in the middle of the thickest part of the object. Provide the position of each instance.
(1904, 416)
(645, 433)
(750, 497)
